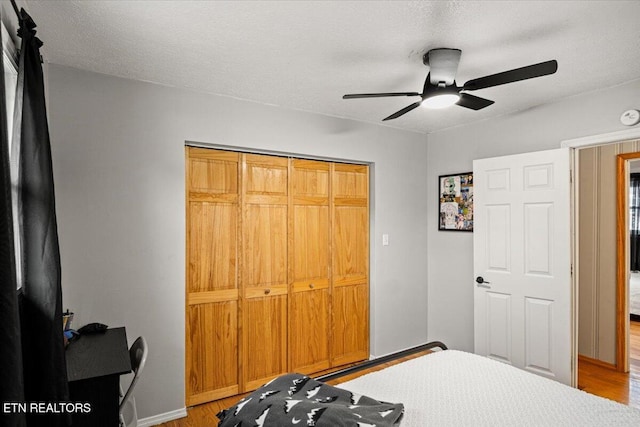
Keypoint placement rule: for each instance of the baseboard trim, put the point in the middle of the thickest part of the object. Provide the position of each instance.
(597, 362)
(162, 418)
(634, 317)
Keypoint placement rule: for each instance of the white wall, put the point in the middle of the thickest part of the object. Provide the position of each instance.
(450, 262)
(118, 155)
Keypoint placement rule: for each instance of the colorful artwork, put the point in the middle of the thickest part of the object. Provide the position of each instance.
(456, 202)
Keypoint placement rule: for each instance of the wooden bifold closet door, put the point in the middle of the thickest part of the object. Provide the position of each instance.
(212, 295)
(264, 273)
(277, 269)
(350, 262)
(309, 325)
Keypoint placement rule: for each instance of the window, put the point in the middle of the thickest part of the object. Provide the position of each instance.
(634, 202)
(10, 57)
(10, 54)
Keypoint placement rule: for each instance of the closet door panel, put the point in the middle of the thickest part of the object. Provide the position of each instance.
(350, 183)
(213, 343)
(212, 247)
(212, 172)
(212, 291)
(265, 268)
(311, 237)
(350, 308)
(265, 175)
(309, 321)
(309, 329)
(265, 240)
(266, 322)
(351, 249)
(310, 181)
(350, 264)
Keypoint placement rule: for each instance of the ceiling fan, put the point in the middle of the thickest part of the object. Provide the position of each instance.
(440, 89)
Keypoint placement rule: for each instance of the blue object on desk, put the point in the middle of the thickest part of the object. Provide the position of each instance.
(70, 334)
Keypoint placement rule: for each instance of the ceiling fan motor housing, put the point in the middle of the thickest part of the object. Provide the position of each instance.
(443, 64)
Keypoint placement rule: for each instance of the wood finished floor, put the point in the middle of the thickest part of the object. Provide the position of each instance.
(621, 387)
(205, 415)
(624, 388)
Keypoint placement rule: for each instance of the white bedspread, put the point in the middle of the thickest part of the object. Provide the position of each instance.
(454, 388)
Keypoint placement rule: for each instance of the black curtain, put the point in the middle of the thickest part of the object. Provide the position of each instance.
(45, 374)
(634, 221)
(11, 384)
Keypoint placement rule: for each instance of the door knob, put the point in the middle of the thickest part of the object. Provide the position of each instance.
(481, 280)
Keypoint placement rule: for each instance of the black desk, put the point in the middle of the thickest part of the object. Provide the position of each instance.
(94, 365)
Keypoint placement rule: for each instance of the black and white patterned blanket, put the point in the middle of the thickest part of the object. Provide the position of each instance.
(297, 400)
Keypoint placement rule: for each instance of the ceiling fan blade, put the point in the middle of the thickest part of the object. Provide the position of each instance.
(528, 72)
(378, 95)
(473, 102)
(405, 110)
(443, 65)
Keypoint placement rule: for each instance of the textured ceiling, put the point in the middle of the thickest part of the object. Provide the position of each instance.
(305, 55)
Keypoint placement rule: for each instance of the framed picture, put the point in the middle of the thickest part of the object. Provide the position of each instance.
(456, 202)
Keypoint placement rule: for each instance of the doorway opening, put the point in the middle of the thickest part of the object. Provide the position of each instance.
(608, 340)
(628, 266)
(619, 385)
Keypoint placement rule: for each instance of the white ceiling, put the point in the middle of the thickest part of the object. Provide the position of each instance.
(305, 55)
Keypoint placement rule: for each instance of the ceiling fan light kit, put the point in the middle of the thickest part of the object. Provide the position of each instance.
(440, 89)
(438, 95)
(442, 100)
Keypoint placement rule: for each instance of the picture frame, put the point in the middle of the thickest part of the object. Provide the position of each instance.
(455, 204)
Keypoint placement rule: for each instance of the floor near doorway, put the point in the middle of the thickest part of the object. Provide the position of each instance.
(618, 386)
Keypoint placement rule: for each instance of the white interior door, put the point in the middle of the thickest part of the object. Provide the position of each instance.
(522, 261)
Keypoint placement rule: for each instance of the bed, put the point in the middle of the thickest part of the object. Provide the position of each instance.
(454, 388)
(634, 296)
(457, 388)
